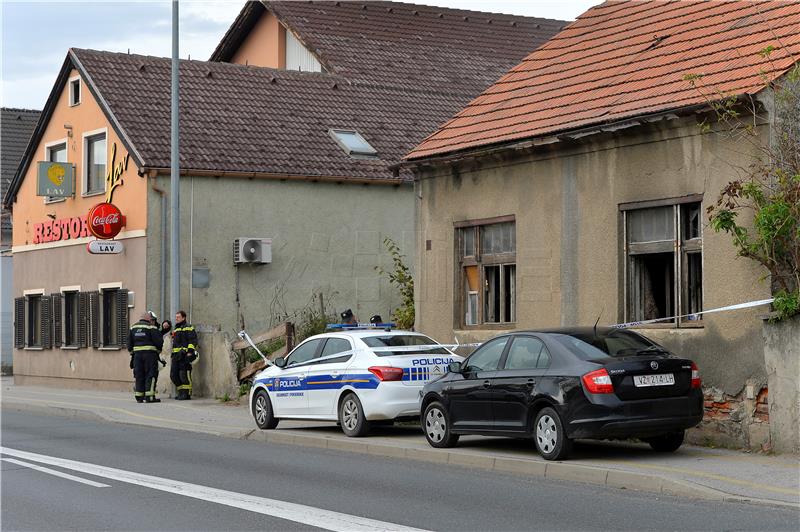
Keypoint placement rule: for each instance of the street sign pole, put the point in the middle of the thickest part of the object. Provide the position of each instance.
(175, 250)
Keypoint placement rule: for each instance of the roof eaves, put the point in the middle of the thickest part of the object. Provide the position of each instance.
(236, 33)
(550, 138)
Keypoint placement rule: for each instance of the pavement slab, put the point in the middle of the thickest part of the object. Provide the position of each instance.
(718, 474)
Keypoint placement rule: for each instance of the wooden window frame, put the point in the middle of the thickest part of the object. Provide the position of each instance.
(680, 250)
(481, 261)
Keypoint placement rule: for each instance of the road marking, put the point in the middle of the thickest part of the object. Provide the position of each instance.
(298, 513)
(56, 473)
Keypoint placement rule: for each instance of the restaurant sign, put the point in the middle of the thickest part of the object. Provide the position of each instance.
(56, 180)
(105, 247)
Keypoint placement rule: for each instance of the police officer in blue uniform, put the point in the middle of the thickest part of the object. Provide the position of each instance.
(144, 344)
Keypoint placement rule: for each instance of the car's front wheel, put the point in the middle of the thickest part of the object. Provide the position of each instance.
(668, 443)
(548, 433)
(437, 426)
(351, 417)
(262, 411)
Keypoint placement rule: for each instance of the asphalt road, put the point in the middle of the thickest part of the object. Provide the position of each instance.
(155, 479)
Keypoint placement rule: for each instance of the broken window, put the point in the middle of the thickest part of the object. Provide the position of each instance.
(487, 268)
(664, 262)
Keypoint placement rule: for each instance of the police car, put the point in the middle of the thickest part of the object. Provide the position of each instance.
(354, 376)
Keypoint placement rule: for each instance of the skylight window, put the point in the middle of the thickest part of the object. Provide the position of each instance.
(352, 142)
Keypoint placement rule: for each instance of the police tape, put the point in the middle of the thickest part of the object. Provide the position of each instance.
(693, 316)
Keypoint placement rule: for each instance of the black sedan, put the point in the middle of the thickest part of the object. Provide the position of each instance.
(559, 385)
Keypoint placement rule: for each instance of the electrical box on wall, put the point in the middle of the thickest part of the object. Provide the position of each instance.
(252, 250)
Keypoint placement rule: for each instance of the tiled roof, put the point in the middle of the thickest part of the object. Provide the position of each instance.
(620, 60)
(16, 127)
(260, 120)
(404, 45)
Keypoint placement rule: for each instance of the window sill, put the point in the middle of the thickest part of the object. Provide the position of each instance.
(490, 327)
(109, 348)
(33, 348)
(70, 347)
(92, 194)
(656, 326)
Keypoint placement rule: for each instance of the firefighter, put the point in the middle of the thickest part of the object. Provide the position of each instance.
(184, 353)
(144, 345)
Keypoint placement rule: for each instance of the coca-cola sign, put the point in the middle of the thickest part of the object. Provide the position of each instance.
(105, 221)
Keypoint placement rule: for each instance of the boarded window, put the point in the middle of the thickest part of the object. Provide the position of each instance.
(93, 318)
(19, 322)
(71, 318)
(58, 328)
(487, 272)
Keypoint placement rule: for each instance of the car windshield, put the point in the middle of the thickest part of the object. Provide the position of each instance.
(405, 344)
(616, 343)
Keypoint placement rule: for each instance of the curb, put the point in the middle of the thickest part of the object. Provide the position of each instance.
(612, 478)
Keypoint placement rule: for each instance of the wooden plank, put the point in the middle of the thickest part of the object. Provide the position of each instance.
(254, 367)
(275, 332)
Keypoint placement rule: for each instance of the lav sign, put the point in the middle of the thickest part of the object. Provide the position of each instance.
(105, 247)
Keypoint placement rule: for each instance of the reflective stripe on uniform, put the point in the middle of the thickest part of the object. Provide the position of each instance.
(144, 348)
(142, 326)
(191, 346)
(138, 394)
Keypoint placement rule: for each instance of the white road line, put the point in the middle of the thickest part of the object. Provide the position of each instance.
(298, 513)
(56, 473)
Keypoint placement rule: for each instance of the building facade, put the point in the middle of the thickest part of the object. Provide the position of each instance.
(572, 192)
(289, 141)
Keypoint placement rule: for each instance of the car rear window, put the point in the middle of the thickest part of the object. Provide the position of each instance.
(607, 344)
(403, 341)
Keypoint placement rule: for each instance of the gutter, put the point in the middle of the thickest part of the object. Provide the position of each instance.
(163, 279)
(153, 171)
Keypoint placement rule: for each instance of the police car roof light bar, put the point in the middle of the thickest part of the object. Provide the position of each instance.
(355, 326)
(244, 336)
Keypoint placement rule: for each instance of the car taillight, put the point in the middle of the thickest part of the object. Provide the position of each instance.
(598, 381)
(696, 381)
(387, 373)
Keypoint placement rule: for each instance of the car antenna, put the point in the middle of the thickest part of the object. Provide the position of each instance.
(598, 321)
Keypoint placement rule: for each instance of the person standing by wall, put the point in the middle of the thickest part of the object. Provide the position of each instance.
(144, 345)
(184, 353)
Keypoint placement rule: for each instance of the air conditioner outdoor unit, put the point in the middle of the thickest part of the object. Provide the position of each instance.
(252, 250)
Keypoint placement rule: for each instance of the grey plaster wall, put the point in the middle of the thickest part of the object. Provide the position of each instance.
(782, 357)
(327, 238)
(569, 238)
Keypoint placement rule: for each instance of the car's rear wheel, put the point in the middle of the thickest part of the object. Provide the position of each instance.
(262, 411)
(668, 443)
(436, 426)
(548, 433)
(351, 417)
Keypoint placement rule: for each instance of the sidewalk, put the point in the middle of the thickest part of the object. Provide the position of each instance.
(717, 474)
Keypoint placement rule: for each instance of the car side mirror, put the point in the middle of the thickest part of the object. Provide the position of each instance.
(280, 362)
(454, 367)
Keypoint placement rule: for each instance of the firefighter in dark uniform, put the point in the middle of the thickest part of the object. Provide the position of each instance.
(184, 353)
(144, 344)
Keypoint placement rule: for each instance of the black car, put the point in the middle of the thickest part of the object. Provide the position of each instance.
(559, 385)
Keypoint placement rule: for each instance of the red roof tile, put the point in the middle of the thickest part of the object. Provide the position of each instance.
(624, 59)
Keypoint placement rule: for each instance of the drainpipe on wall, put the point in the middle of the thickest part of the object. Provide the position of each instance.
(163, 280)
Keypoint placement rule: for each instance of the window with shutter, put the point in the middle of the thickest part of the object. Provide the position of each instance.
(33, 320)
(83, 319)
(46, 320)
(57, 320)
(94, 319)
(122, 317)
(19, 322)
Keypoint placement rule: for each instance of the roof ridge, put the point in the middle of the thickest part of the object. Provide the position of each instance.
(21, 109)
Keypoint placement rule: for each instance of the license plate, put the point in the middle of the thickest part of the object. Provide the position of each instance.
(662, 379)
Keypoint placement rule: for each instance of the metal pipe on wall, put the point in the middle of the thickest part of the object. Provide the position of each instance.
(163, 279)
(175, 250)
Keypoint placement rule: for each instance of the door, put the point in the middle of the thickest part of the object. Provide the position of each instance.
(515, 384)
(324, 374)
(290, 396)
(470, 397)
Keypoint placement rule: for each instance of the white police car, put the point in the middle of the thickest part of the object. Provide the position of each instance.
(353, 376)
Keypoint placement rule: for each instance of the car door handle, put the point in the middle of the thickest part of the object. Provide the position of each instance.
(486, 384)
